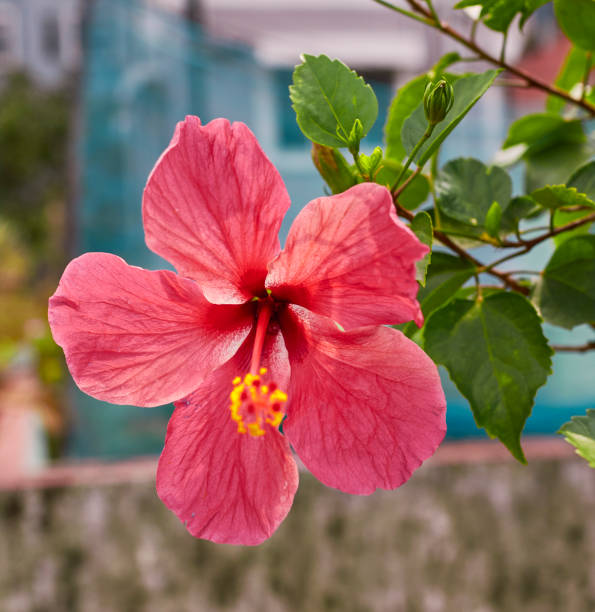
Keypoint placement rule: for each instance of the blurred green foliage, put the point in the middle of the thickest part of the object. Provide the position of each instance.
(33, 143)
(33, 189)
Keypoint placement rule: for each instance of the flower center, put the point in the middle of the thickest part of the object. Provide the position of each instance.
(254, 403)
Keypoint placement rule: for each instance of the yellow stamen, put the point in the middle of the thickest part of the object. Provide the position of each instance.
(253, 404)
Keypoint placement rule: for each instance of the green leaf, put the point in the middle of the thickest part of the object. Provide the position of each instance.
(467, 91)
(562, 217)
(540, 131)
(493, 219)
(466, 189)
(577, 20)
(498, 14)
(445, 276)
(328, 97)
(556, 196)
(437, 70)
(530, 7)
(421, 225)
(519, 208)
(404, 103)
(571, 73)
(565, 294)
(496, 354)
(584, 180)
(415, 194)
(555, 164)
(580, 432)
(333, 168)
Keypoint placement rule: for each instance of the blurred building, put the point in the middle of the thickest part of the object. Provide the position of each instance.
(41, 37)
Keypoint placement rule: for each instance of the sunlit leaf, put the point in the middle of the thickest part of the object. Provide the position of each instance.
(328, 97)
(580, 432)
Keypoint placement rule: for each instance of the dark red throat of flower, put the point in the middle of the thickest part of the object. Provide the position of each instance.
(256, 402)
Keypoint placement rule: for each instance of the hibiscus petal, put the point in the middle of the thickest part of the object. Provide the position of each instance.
(226, 486)
(348, 257)
(134, 336)
(213, 206)
(365, 407)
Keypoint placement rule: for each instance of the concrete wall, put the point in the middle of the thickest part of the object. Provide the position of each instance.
(464, 538)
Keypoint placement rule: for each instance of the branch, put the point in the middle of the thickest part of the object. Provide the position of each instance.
(505, 277)
(529, 244)
(399, 190)
(581, 348)
(470, 44)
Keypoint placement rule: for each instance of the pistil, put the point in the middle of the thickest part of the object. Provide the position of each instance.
(264, 316)
(255, 400)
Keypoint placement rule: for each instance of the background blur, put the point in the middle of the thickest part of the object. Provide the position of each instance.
(90, 92)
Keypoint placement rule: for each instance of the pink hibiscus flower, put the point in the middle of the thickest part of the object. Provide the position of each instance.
(246, 334)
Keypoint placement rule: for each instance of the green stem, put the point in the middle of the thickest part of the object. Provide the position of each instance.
(358, 164)
(503, 49)
(474, 30)
(433, 174)
(397, 192)
(581, 348)
(434, 13)
(588, 66)
(416, 149)
(398, 9)
(491, 266)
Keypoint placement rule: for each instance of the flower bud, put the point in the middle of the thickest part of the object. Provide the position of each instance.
(370, 163)
(438, 100)
(333, 168)
(357, 133)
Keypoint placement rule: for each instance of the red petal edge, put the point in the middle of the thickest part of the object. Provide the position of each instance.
(365, 408)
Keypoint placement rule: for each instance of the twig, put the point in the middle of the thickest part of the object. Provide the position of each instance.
(529, 244)
(398, 9)
(521, 272)
(581, 348)
(503, 49)
(511, 83)
(399, 190)
(411, 157)
(453, 246)
(470, 44)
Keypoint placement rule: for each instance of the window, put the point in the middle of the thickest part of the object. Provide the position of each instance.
(50, 37)
(4, 39)
(9, 24)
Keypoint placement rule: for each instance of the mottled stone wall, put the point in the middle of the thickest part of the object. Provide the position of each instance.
(455, 538)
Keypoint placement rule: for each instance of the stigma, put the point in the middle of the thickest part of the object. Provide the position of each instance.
(254, 403)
